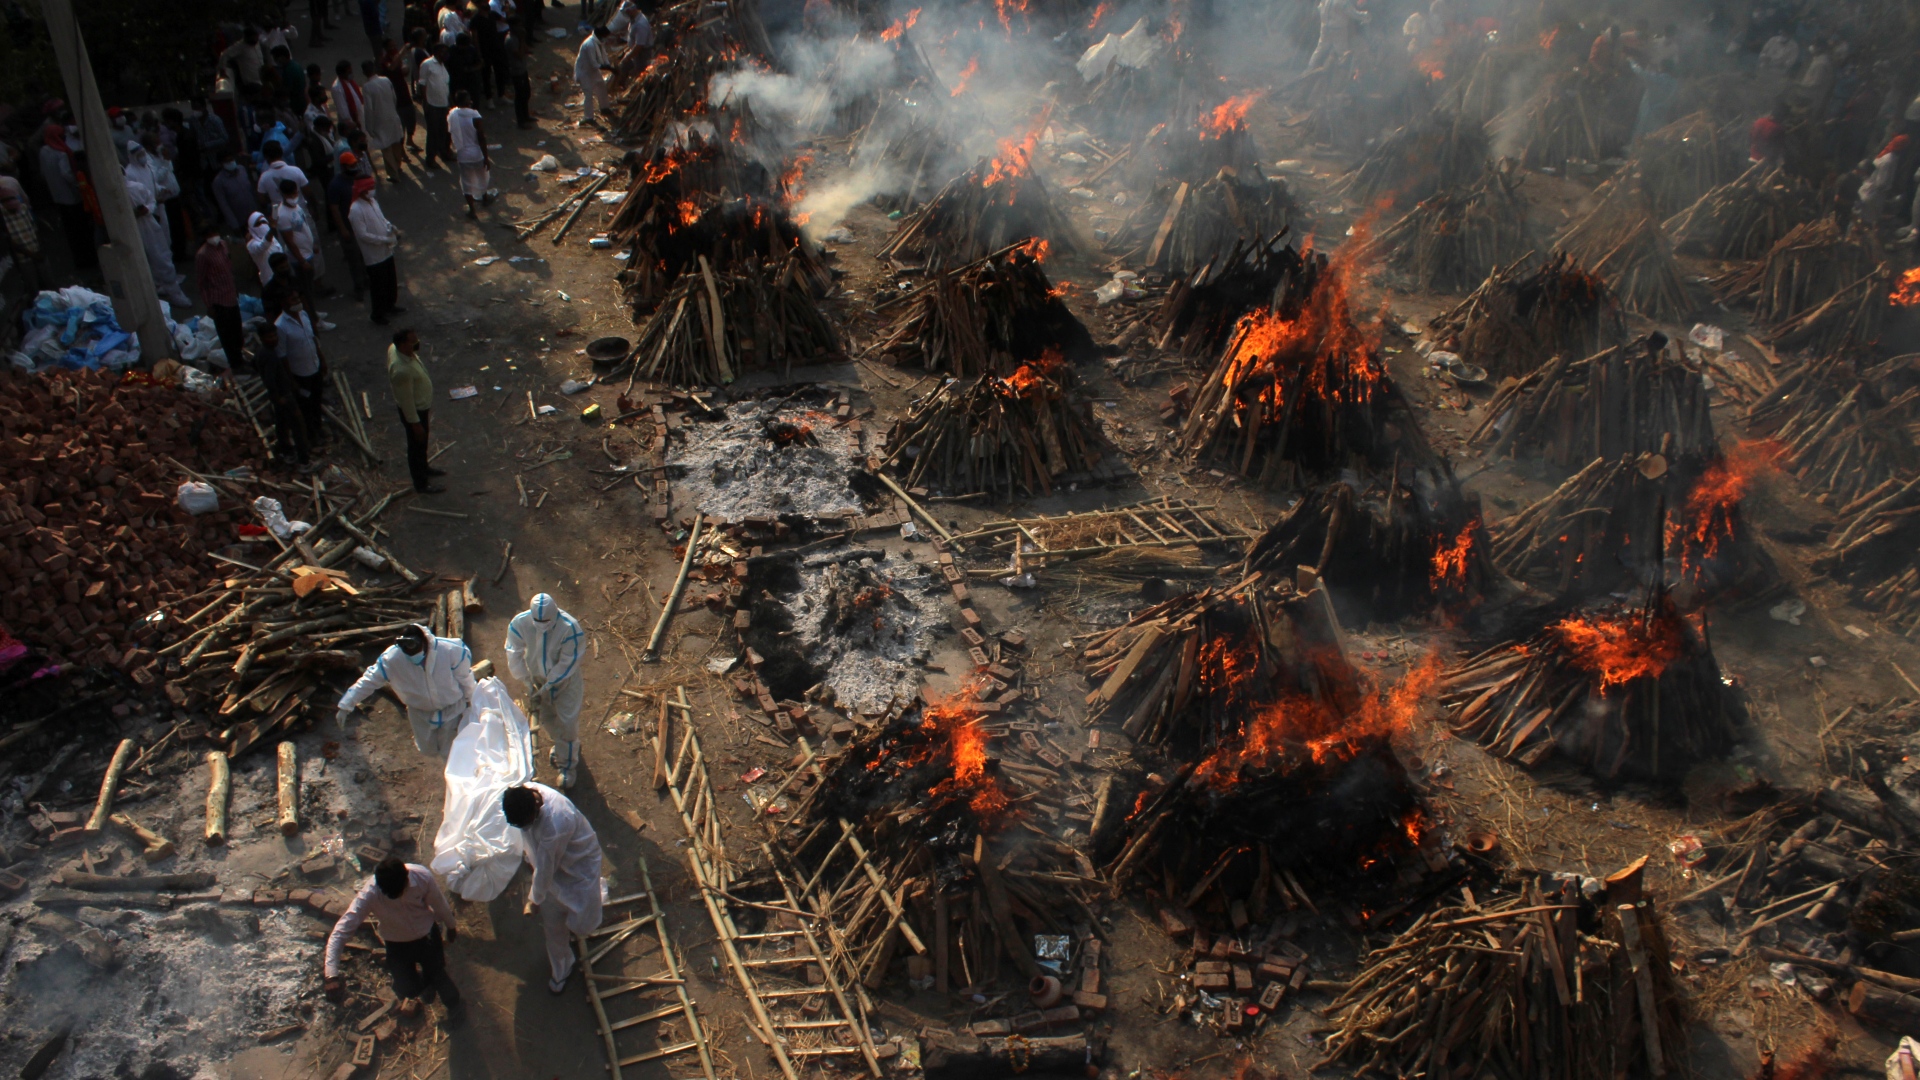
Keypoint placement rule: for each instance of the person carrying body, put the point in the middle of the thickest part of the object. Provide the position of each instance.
(543, 651)
(432, 676)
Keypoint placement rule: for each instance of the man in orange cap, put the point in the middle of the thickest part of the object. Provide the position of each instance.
(339, 205)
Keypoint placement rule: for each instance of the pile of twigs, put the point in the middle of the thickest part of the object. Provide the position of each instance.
(1819, 287)
(1627, 690)
(1438, 152)
(1745, 218)
(1848, 432)
(1686, 159)
(1621, 240)
(1873, 550)
(985, 318)
(1453, 239)
(1537, 982)
(713, 324)
(998, 202)
(1573, 116)
(1420, 547)
(1005, 436)
(1511, 323)
(1200, 311)
(1629, 400)
(1182, 228)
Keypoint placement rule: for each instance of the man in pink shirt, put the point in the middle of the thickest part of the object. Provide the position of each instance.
(411, 911)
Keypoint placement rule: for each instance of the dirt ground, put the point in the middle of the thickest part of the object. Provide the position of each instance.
(518, 328)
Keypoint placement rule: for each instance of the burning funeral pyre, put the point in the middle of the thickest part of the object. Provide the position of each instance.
(1454, 238)
(1819, 288)
(1537, 981)
(691, 48)
(1279, 759)
(1629, 400)
(988, 317)
(1201, 312)
(1513, 323)
(1005, 435)
(1300, 387)
(1419, 549)
(1629, 524)
(1743, 219)
(999, 202)
(1623, 691)
(1439, 152)
(1185, 228)
(1621, 240)
(1202, 137)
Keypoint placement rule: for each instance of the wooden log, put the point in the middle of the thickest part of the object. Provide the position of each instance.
(949, 1055)
(219, 786)
(289, 789)
(1630, 931)
(157, 847)
(651, 654)
(110, 785)
(1883, 1008)
(192, 882)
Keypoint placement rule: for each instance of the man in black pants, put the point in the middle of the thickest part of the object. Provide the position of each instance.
(412, 912)
(283, 397)
(413, 394)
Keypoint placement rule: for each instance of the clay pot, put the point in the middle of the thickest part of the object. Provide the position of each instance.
(1045, 991)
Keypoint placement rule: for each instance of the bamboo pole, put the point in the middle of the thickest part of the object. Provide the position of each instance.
(109, 785)
(652, 652)
(289, 789)
(219, 786)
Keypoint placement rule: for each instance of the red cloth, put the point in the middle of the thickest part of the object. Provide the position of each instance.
(1896, 146)
(214, 269)
(1763, 141)
(363, 187)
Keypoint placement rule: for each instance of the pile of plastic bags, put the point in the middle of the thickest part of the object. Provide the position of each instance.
(74, 328)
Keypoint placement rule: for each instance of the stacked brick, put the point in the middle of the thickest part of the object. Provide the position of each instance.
(91, 539)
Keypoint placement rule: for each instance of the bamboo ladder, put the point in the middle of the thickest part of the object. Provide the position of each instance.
(788, 1004)
(615, 980)
(1163, 522)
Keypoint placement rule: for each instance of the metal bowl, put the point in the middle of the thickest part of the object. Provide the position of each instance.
(1468, 374)
(607, 352)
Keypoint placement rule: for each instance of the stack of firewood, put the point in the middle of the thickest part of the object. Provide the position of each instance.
(673, 240)
(998, 202)
(1819, 287)
(1455, 238)
(715, 323)
(694, 46)
(1686, 159)
(1621, 240)
(1436, 153)
(1182, 228)
(1005, 436)
(1872, 548)
(1848, 432)
(1200, 311)
(1625, 690)
(1543, 981)
(1573, 115)
(987, 317)
(1629, 400)
(1745, 218)
(1513, 323)
(1421, 547)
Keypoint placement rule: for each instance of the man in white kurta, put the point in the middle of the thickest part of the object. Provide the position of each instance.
(565, 856)
(589, 70)
(543, 651)
(432, 676)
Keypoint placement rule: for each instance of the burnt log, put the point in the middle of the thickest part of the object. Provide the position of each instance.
(951, 1056)
(1883, 1008)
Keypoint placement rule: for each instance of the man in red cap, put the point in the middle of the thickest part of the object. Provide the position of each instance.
(339, 204)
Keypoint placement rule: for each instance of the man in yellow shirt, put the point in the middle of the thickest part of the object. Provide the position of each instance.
(413, 393)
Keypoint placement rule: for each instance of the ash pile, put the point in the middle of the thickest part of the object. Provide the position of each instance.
(770, 458)
(851, 632)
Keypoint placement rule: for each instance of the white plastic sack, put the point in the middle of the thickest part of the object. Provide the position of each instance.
(547, 163)
(476, 852)
(275, 519)
(197, 498)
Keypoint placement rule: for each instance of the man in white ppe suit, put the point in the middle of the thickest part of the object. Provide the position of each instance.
(565, 856)
(543, 651)
(432, 676)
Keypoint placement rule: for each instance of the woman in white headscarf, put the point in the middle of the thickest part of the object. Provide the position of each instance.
(153, 230)
(261, 245)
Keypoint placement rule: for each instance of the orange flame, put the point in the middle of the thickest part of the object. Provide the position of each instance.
(1707, 519)
(689, 212)
(1547, 39)
(1099, 13)
(1036, 248)
(1038, 377)
(1341, 360)
(1430, 62)
(900, 26)
(957, 723)
(1451, 561)
(1906, 291)
(793, 185)
(1620, 650)
(1004, 9)
(966, 76)
(1016, 155)
(1227, 117)
(1297, 724)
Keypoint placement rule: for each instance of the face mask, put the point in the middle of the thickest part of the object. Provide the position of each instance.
(233, 166)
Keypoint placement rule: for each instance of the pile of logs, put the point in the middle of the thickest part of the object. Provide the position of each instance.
(1006, 436)
(1186, 228)
(1574, 115)
(1438, 152)
(92, 539)
(1818, 288)
(1621, 240)
(1202, 310)
(1622, 691)
(1513, 323)
(1453, 239)
(671, 240)
(715, 323)
(1743, 219)
(985, 318)
(1849, 432)
(1629, 400)
(692, 48)
(1541, 981)
(257, 655)
(1421, 547)
(1686, 159)
(998, 202)
(1872, 549)
(903, 140)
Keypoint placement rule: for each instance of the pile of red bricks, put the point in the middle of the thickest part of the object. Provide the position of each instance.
(91, 538)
